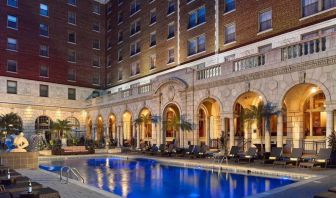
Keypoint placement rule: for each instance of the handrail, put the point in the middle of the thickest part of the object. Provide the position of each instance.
(74, 171)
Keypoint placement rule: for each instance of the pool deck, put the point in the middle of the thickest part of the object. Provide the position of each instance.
(310, 181)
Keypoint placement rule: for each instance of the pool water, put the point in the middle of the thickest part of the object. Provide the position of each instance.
(142, 178)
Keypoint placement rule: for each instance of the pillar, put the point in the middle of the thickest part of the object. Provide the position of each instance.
(121, 135)
(280, 130)
(330, 124)
(118, 136)
(232, 138)
(137, 131)
(267, 140)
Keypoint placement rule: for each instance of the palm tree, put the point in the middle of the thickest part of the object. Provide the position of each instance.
(176, 124)
(144, 119)
(61, 126)
(11, 123)
(261, 114)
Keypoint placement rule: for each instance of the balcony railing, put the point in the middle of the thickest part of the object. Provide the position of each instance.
(209, 72)
(145, 88)
(250, 62)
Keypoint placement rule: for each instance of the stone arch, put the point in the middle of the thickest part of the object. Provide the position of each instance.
(145, 129)
(112, 126)
(127, 128)
(43, 124)
(172, 80)
(171, 113)
(99, 131)
(89, 126)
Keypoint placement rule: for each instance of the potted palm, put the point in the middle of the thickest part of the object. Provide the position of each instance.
(11, 123)
(176, 123)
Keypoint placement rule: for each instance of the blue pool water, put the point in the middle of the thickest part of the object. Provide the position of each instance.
(142, 178)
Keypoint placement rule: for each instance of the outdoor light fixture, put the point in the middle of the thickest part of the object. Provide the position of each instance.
(313, 90)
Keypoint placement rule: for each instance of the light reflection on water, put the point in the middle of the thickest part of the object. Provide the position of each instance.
(147, 178)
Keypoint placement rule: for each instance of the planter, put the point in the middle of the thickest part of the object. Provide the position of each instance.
(64, 141)
(45, 153)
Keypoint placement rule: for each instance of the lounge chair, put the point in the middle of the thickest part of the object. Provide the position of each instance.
(161, 149)
(249, 156)
(294, 159)
(221, 155)
(275, 155)
(187, 151)
(169, 150)
(194, 153)
(322, 158)
(204, 152)
(154, 149)
(325, 195)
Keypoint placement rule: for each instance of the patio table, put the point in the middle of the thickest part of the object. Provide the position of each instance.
(39, 193)
(21, 187)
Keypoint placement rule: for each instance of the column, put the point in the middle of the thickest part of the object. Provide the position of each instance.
(330, 125)
(232, 138)
(121, 135)
(137, 131)
(280, 130)
(267, 140)
(118, 136)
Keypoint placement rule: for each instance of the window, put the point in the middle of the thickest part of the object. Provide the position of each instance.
(109, 8)
(44, 91)
(120, 57)
(11, 44)
(44, 50)
(72, 75)
(44, 71)
(120, 2)
(12, 22)
(171, 56)
(265, 48)
(72, 57)
(120, 36)
(327, 4)
(152, 16)
(96, 78)
(230, 33)
(72, 2)
(152, 62)
(109, 43)
(44, 29)
(96, 61)
(109, 61)
(171, 30)
(12, 3)
(72, 18)
(11, 87)
(135, 68)
(109, 25)
(265, 20)
(96, 26)
(120, 17)
(135, 27)
(309, 7)
(11, 65)
(196, 17)
(171, 6)
(135, 7)
(44, 11)
(71, 94)
(152, 39)
(96, 44)
(120, 75)
(72, 37)
(109, 78)
(196, 45)
(135, 48)
(96, 8)
(229, 5)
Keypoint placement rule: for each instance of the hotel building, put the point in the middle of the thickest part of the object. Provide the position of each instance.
(102, 64)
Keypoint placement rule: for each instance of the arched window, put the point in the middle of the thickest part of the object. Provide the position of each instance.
(73, 122)
(43, 123)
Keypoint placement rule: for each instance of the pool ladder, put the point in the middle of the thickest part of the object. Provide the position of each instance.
(68, 170)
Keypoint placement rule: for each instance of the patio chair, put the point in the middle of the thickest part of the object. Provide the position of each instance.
(194, 153)
(187, 151)
(322, 158)
(249, 156)
(294, 159)
(162, 149)
(275, 155)
(203, 152)
(168, 151)
(152, 150)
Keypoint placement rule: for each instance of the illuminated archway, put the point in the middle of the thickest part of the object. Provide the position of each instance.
(171, 118)
(43, 124)
(146, 125)
(100, 128)
(209, 122)
(112, 127)
(88, 129)
(127, 128)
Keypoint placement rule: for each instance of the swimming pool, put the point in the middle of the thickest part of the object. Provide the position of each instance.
(142, 178)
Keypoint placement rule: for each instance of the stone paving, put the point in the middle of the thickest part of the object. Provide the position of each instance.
(70, 190)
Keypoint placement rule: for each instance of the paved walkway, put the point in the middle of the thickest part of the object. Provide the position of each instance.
(70, 190)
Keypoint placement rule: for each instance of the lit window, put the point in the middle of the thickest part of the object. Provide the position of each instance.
(12, 22)
(11, 87)
(135, 68)
(230, 33)
(44, 91)
(265, 20)
(171, 56)
(12, 3)
(196, 17)
(11, 44)
(229, 5)
(196, 45)
(44, 29)
(11, 65)
(44, 11)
